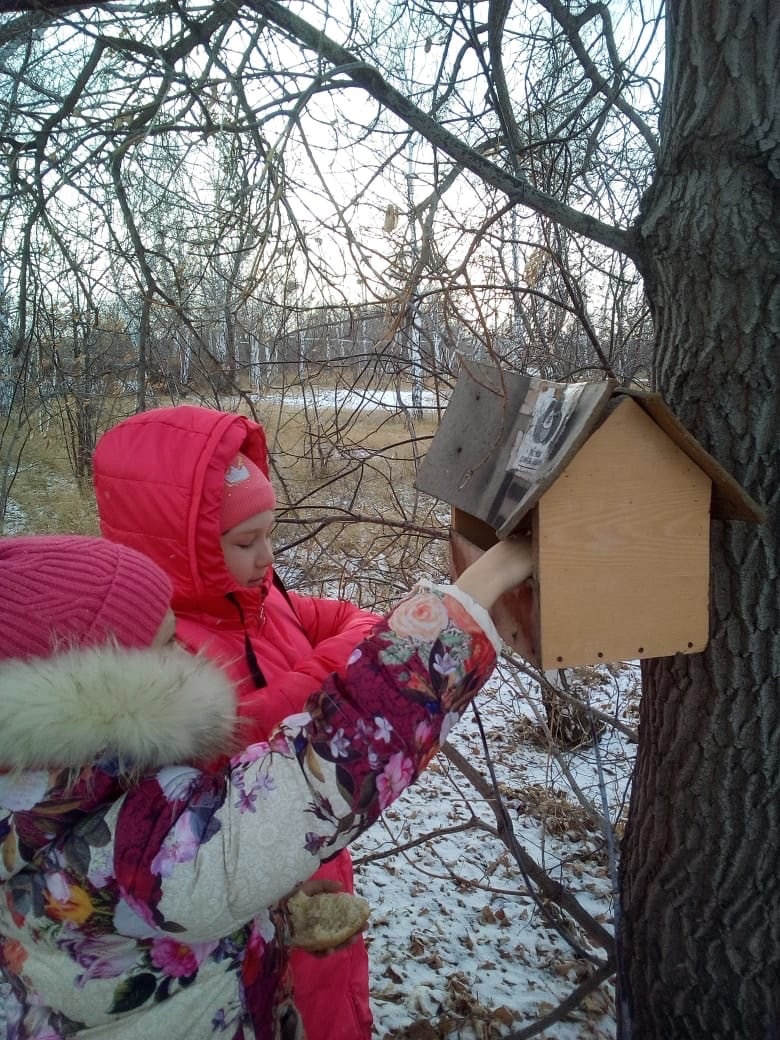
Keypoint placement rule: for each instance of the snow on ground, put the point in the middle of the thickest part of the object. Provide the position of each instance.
(458, 946)
(354, 398)
(15, 519)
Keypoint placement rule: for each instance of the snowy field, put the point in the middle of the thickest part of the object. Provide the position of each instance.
(458, 945)
(354, 398)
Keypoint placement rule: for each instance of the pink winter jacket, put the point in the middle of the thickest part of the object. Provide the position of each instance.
(159, 479)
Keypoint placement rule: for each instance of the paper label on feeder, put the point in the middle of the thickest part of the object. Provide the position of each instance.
(549, 413)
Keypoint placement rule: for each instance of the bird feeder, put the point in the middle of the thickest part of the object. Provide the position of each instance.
(616, 496)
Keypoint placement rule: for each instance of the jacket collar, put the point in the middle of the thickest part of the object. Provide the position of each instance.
(238, 608)
(147, 708)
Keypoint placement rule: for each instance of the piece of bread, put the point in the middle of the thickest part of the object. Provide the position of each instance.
(325, 920)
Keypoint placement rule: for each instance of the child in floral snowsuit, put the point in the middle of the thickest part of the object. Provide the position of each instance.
(136, 887)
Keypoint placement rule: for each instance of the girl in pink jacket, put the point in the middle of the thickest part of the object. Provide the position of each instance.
(140, 896)
(188, 486)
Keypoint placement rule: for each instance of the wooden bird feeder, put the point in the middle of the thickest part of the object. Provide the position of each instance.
(616, 496)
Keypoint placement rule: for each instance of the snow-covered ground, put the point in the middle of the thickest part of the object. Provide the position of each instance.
(353, 398)
(458, 945)
(15, 520)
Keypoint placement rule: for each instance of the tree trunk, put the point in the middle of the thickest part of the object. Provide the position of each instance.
(141, 373)
(700, 870)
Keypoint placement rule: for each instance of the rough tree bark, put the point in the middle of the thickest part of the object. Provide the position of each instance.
(699, 874)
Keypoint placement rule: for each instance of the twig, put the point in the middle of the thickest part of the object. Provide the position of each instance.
(623, 1012)
(472, 824)
(542, 680)
(552, 890)
(322, 521)
(568, 1005)
(510, 839)
(594, 815)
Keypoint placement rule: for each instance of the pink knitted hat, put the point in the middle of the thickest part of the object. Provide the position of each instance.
(76, 590)
(247, 491)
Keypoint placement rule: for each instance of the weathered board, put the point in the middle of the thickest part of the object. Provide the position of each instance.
(503, 440)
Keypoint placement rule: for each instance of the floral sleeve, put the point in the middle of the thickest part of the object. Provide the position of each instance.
(199, 854)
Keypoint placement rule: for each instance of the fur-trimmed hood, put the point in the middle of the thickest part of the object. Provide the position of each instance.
(145, 708)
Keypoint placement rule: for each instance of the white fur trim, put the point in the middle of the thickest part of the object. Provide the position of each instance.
(149, 707)
(477, 611)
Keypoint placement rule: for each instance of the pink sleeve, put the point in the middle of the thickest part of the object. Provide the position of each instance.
(334, 628)
(332, 623)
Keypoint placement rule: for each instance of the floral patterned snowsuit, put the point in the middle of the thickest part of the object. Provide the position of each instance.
(136, 900)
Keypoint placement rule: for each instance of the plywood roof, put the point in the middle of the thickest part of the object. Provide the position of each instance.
(506, 437)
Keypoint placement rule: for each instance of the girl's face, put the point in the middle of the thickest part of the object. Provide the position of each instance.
(248, 550)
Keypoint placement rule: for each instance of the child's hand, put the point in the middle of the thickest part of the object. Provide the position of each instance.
(503, 567)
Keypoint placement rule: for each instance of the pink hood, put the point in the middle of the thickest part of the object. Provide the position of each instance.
(162, 495)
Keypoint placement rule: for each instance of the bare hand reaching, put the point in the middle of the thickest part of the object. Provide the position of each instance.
(503, 567)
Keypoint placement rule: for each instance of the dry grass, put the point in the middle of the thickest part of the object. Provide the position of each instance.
(46, 490)
(348, 509)
(348, 506)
